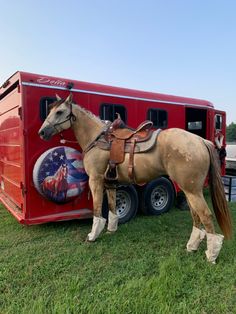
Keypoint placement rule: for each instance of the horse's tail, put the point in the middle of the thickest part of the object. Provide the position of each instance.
(217, 192)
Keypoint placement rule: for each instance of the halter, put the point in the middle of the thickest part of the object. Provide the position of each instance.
(71, 117)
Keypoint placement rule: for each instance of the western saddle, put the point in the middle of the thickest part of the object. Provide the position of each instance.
(120, 139)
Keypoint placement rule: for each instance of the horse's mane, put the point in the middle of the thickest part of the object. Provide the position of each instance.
(56, 104)
(89, 113)
(58, 172)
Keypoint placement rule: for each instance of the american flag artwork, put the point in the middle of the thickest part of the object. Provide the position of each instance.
(59, 174)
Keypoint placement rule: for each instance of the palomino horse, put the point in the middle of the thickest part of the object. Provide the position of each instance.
(186, 158)
(57, 184)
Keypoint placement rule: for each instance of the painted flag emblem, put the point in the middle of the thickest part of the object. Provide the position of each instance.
(59, 174)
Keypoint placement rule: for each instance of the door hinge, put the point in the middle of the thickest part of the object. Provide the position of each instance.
(23, 189)
(20, 112)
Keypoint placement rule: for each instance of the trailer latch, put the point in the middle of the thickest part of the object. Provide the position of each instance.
(70, 85)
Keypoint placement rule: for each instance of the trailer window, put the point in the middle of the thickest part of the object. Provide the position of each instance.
(44, 106)
(158, 117)
(218, 122)
(109, 112)
(195, 125)
(196, 121)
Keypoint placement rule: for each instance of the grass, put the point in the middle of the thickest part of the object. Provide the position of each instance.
(144, 268)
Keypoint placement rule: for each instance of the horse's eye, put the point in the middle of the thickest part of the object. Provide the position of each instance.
(59, 113)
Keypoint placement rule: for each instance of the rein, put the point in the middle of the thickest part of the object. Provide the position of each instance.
(72, 118)
(94, 142)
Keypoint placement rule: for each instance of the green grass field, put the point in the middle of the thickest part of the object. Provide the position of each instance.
(143, 268)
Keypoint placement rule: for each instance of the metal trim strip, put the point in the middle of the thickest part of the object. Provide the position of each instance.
(114, 95)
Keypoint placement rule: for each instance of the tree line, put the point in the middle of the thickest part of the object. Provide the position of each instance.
(231, 132)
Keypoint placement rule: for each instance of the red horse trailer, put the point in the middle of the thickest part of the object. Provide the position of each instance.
(45, 181)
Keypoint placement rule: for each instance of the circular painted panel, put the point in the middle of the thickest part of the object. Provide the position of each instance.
(59, 174)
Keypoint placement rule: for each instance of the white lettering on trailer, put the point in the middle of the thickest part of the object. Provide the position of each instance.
(45, 80)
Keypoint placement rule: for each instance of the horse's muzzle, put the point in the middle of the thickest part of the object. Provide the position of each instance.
(46, 133)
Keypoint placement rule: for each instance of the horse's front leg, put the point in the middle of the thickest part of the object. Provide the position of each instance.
(96, 186)
(112, 216)
(64, 193)
(55, 192)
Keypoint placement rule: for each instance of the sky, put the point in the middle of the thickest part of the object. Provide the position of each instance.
(178, 47)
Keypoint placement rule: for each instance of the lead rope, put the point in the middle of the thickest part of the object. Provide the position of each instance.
(64, 141)
(90, 145)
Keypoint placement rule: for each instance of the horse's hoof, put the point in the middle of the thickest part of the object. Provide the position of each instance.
(87, 240)
(191, 251)
(212, 263)
(110, 232)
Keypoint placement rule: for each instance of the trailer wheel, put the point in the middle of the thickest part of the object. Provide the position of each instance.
(181, 202)
(126, 203)
(159, 196)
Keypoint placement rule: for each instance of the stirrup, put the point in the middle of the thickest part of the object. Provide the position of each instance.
(111, 173)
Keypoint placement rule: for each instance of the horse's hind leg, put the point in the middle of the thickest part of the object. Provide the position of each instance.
(214, 241)
(197, 234)
(112, 216)
(200, 208)
(96, 186)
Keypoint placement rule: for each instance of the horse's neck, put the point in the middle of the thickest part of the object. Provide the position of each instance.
(58, 173)
(86, 127)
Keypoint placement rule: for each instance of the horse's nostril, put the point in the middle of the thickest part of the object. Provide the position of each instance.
(45, 134)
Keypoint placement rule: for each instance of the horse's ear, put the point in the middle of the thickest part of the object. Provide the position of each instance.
(58, 97)
(69, 98)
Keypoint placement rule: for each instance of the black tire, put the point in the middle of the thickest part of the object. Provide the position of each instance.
(126, 203)
(159, 196)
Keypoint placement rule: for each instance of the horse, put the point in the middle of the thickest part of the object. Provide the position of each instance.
(57, 184)
(185, 158)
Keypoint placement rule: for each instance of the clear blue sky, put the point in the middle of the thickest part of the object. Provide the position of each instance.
(180, 47)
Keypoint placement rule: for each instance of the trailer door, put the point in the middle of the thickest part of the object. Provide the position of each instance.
(11, 149)
(196, 121)
(219, 128)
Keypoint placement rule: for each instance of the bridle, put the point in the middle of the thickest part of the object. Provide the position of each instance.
(70, 117)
